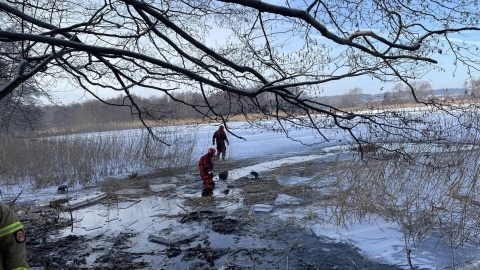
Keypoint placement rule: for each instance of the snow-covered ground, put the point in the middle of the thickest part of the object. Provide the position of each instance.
(377, 239)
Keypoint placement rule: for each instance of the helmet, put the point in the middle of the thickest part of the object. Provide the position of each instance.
(220, 127)
(211, 151)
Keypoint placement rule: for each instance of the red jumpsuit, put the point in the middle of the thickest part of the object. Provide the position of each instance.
(205, 166)
(220, 137)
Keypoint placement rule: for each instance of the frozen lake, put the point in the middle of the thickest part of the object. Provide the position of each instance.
(376, 239)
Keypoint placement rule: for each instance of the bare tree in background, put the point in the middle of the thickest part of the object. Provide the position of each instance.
(472, 88)
(242, 48)
(352, 97)
(424, 90)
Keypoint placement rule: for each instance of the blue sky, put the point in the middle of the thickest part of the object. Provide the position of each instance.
(438, 79)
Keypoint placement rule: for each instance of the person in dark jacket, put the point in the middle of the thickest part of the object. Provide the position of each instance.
(205, 166)
(12, 241)
(220, 138)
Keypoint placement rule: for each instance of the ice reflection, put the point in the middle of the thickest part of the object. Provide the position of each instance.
(121, 215)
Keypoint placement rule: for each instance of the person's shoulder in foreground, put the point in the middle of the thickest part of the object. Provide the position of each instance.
(12, 240)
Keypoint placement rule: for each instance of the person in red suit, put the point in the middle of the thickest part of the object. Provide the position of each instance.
(220, 138)
(205, 166)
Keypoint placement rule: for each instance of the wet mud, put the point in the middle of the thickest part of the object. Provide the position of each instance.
(215, 238)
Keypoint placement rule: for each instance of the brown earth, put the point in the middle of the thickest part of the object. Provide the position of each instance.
(70, 252)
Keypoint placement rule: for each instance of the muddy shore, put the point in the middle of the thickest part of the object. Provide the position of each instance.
(221, 239)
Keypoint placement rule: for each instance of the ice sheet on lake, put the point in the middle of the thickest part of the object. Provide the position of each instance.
(261, 208)
(85, 200)
(267, 166)
(129, 191)
(162, 187)
(173, 236)
(291, 181)
(284, 199)
(138, 214)
(376, 239)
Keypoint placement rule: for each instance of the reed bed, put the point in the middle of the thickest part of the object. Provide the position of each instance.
(84, 159)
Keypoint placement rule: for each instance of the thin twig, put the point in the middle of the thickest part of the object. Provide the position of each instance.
(12, 202)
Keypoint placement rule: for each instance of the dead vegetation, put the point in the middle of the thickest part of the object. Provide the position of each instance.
(267, 189)
(432, 192)
(421, 200)
(110, 185)
(85, 160)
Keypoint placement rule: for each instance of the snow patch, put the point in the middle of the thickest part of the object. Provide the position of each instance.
(290, 181)
(162, 187)
(261, 208)
(284, 199)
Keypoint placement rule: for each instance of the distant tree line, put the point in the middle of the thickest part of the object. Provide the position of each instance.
(400, 94)
(96, 115)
